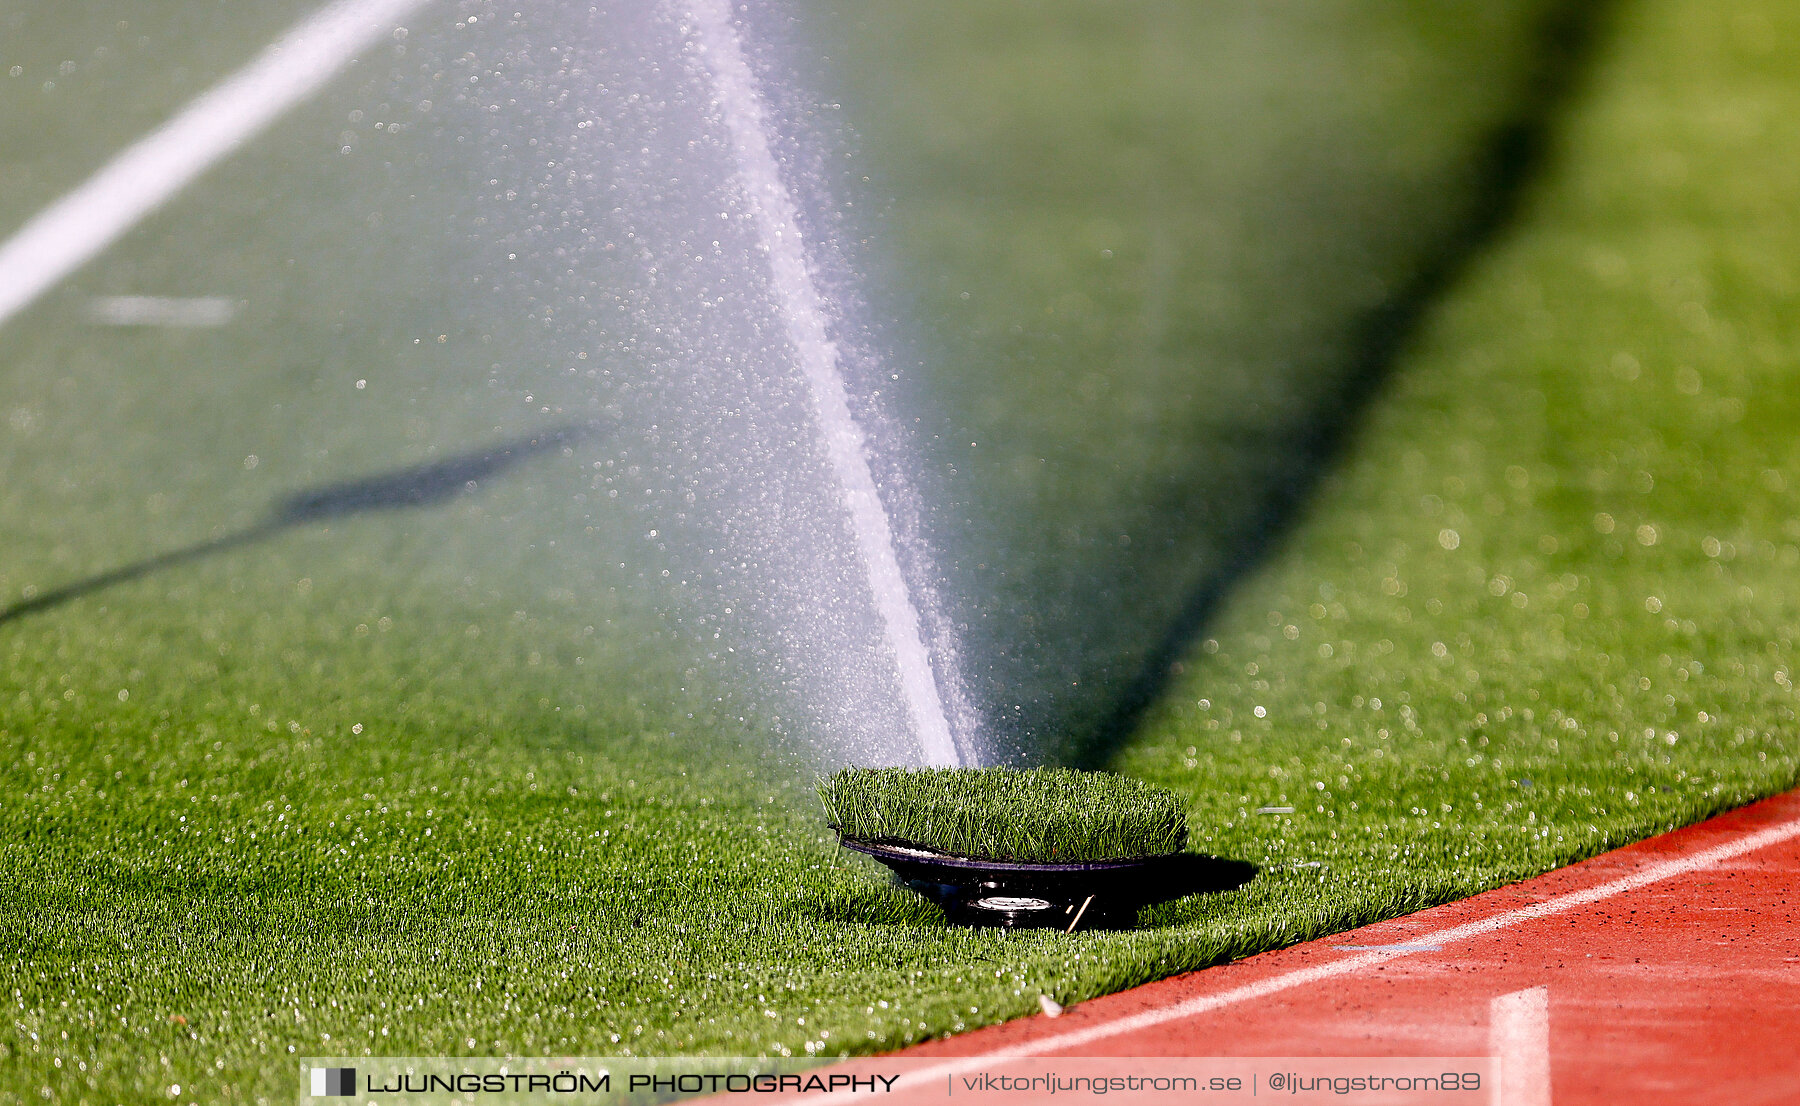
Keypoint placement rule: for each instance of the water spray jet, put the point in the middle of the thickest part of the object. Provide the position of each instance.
(802, 307)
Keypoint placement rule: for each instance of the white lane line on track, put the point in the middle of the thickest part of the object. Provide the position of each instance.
(1204, 1004)
(1519, 1037)
(71, 231)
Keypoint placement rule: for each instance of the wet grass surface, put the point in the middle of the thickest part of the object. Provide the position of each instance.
(433, 782)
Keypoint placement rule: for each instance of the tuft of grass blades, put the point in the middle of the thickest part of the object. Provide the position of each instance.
(1026, 815)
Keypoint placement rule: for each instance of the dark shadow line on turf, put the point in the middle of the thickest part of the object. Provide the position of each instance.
(414, 486)
(1513, 157)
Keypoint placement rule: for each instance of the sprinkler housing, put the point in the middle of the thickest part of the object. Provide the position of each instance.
(1029, 848)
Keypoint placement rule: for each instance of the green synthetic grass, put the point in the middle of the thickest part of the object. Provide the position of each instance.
(437, 784)
(1028, 815)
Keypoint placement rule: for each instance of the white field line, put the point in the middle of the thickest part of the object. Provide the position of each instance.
(1249, 992)
(71, 231)
(1519, 1037)
(170, 311)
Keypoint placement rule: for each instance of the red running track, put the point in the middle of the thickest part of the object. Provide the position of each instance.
(1664, 972)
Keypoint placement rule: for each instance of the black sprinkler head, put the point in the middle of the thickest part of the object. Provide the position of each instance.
(1094, 894)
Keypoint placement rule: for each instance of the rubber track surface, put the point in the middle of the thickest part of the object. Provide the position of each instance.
(1670, 976)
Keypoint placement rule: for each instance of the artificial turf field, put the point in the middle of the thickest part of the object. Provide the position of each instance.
(471, 779)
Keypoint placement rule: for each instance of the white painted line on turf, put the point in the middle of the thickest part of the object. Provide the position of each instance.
(1349, 965)
(172, 311)
(71, 231)
(1519, 1037)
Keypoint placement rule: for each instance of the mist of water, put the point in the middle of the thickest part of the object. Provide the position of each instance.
(683, 215)
(845, 445)
(943, 369)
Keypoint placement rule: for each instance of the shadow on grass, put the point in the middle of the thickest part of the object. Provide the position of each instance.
(414, 486)
(1511, 157)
